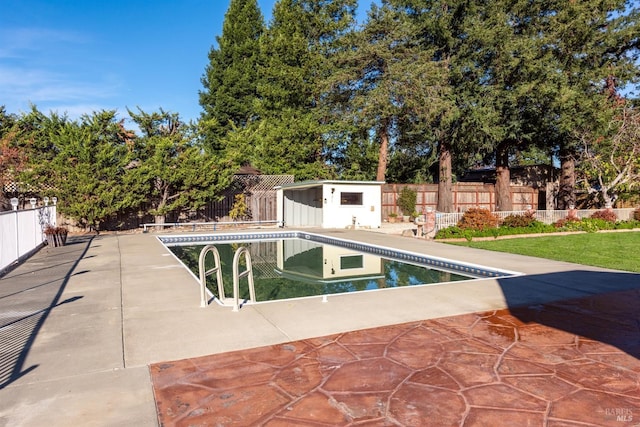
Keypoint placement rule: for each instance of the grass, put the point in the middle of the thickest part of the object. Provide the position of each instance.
(620, 251)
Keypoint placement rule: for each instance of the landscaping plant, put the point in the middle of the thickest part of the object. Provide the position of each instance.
(478, 219)
(407, 201)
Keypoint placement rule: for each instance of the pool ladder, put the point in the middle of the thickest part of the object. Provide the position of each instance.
(237, 275)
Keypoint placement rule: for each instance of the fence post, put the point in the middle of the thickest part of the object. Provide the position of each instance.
(17, 234)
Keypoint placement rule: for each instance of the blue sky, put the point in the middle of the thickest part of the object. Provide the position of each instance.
(77, 57)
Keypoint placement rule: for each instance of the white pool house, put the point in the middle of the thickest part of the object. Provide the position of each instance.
(330, 204)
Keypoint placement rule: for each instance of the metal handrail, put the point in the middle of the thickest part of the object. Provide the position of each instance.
(203, 274)
(239, 275)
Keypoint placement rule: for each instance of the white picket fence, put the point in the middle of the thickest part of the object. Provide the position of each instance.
(444, 220)
(22, 232)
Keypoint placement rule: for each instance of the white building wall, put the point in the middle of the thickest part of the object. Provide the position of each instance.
(337, 215)
(371, 264)
(280, 207)
(319, 205)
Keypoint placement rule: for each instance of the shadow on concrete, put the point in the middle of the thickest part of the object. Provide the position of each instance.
(597, 305)
(27, 295)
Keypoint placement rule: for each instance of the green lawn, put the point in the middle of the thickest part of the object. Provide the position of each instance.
(619, 251)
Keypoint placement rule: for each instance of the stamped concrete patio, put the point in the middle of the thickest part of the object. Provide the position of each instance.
(482, 369)
(108, 332)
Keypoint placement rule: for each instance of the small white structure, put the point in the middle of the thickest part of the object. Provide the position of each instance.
(326, 263)
(330, 204)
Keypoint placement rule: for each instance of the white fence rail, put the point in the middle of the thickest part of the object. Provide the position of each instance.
(444, 220)
(22, 231)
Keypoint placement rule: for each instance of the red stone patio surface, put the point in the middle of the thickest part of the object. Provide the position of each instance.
(571, 363)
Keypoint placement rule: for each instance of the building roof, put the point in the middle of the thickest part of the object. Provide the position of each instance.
(310, 184)
(248, 170)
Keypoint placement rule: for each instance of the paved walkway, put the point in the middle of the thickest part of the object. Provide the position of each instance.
(89, 332)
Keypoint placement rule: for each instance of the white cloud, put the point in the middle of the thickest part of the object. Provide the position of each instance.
(20, 42)
(19, 86)
(52, 69)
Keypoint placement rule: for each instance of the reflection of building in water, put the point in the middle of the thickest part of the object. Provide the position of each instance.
(304, 259)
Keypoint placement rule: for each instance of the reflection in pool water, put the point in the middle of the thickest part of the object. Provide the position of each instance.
(294, 268)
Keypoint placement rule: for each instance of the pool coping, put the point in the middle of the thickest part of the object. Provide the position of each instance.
(465, 268)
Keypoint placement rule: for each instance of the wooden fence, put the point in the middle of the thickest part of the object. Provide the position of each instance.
(465, 195)
(260, 198)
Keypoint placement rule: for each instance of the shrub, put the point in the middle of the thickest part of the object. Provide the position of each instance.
(449, 233)
(592, 225)
(240, 210)
(526, 220)
(607, 215)
(627, 225)
(636, 214)
(478, 219)
(407, 200)
(569, 222)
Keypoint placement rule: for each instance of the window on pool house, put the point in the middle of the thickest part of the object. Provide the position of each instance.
(351, 199)
(349, 262)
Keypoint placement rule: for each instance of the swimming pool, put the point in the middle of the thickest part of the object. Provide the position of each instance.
(295, 264)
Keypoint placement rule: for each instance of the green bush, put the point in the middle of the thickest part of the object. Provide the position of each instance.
(407, 201)
(589, 225)
(627, 225)
(449, 233)
(478, 219)
(566, 223)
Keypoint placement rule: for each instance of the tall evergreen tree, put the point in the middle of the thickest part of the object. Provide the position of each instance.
(80, 162)
(89, 169)
(510, 67)
(594, 46)
(230, 79)
(35, 134)
(522, 73)
(455, 126)
(170, 170)
(295, 48)
(542, 67)
(383, 81)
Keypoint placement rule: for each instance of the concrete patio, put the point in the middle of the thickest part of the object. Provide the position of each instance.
(107, 331)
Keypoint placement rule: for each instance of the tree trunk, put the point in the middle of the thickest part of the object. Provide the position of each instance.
(445, 185)
(606, 198)
(162, 201)
(384, 152)
(503, 179)
(566, 191)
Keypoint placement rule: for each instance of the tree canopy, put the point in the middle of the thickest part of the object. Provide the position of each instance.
(230, 78)
(422, 90)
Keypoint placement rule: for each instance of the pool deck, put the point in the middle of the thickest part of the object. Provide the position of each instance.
(108, 331)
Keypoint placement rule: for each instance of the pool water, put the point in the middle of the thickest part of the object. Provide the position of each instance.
(295, 268)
